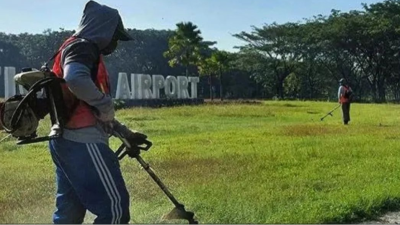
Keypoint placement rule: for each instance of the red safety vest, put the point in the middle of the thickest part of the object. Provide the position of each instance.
(80, 113)
(343, 99)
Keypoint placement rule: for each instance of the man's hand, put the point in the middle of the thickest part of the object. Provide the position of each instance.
(107, 127)
(136, 138)
(107, 114)
(106, 117)
(131, 138)
(106, 120)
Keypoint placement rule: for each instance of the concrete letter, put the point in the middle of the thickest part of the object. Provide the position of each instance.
(193, 84)
(158, 83)
(9, 84)
(144, 86)
(135, 85)
(171, 81)
(123, 91)
(183, 87)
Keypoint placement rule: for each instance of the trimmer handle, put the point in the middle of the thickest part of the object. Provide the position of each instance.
(147, 147)
(134, 150)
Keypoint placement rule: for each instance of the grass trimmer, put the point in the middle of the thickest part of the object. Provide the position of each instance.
(132, 144)
(330, 113)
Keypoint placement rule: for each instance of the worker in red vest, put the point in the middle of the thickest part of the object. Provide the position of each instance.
(345, 95)
(87, 170)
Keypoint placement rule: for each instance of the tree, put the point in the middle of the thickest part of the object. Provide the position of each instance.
(221, 61)
(10, 55)
(207, 67)
(185, 46)
(274, 44)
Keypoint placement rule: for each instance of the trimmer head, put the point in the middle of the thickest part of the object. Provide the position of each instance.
(326, 116)
(179, 213)
(330, 113)
(137, 142)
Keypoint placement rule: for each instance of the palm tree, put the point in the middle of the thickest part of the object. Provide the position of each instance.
(217, 64)
(221, 60)
(184, 46)
(207, 67)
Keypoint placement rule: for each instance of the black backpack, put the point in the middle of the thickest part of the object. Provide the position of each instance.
(348, 94)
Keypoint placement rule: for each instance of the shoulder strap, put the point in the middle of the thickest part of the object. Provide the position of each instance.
(94, 70)
(58, 51)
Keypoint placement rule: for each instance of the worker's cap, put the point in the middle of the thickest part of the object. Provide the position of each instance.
(121, 33)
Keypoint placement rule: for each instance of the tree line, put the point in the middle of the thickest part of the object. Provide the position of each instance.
(293, 60)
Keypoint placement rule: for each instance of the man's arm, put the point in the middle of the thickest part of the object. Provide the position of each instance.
(339, 93)
(78, 62)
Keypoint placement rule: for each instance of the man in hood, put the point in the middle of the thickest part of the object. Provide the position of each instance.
(87, 170)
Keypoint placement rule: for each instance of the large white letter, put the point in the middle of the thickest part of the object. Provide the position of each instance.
(193, 84)
(171, 81)
(123, 91)
(135, 86)
(144, 86)
(158, 83)
(9, 84)
(183, 87)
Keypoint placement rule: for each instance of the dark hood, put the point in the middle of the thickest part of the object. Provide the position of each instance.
(98, 24)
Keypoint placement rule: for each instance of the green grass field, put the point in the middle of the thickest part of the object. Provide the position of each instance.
(274, 162)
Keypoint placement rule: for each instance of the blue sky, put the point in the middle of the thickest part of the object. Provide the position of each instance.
(217, 19)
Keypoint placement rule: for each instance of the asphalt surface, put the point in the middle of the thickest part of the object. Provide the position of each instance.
(388, 218)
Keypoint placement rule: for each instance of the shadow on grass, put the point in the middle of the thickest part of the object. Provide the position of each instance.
(313, 113)
(287, 105)
(291, 105)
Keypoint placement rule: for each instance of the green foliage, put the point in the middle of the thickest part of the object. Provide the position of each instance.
(217, 64)
(10, 55)
(361, 46)
(274, 45)
(185, 46)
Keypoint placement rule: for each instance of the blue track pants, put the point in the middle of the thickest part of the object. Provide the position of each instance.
(88, 178)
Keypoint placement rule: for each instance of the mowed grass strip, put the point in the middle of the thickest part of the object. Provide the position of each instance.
(274, 162)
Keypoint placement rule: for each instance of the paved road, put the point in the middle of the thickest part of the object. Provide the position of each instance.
(389, 218)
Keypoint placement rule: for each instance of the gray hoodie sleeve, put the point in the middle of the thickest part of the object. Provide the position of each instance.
(78, 62)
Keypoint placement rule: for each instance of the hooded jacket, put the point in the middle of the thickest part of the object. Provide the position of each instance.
(98, 24)
(79, 61)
